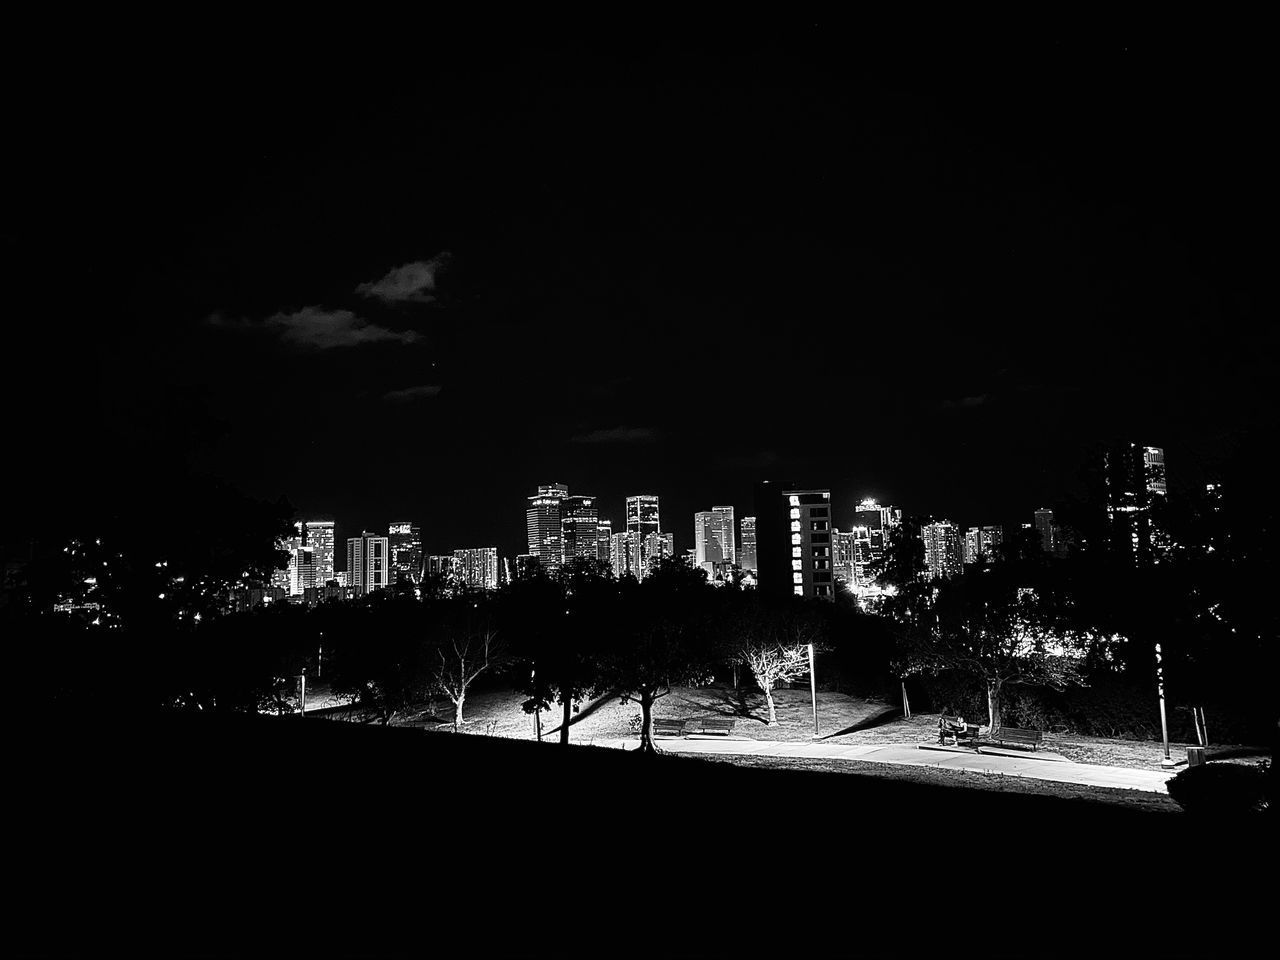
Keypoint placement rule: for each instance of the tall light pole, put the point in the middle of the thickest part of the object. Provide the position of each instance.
(303, 709)
(1164, 723)
(813, 691)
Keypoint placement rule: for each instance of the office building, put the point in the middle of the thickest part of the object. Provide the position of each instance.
(982, 543)
(943, 549)
(706, 545)
(542, 520)
(604, 541)
(773, 537)
(282, 578)
(747, 558)
(319, 536)
(526, 565)
(439, 567)
(1047, 531)
(303, 571)
(477, 568)
(843, 553)
(642, 520)
(406, 552)
(656, 546)
(809, 535)
(622, 554)
(1135, 488)
(578, 528)
(368, 563)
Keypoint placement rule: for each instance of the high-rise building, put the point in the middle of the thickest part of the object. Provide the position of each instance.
(982, 543)
(656, 546)
(283, 578)
(843, 553)
(439, 566)
(526, 566)
(809, 532)
(642, 520)
(368, 563)
(748, 556)
(943, 549)
(477, 567)
(1134, 479)
(406, 552)
(724, 532)
(1046, 529)
(303, 570)
(578, 528)
(543, 524)
(319, 536)
(622, 554)
(604, 541)
(706, 545)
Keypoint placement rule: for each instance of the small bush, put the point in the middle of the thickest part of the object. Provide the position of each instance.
(1034, 709)
(1220, 789)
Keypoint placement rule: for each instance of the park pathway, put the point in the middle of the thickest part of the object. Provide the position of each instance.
(1040, 765)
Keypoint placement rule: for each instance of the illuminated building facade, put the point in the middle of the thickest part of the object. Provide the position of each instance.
(943, 549)
(578, 528)
(656, 546)
(406, 552)
(477, 567)
(1135, 483)
(982, 543)
(282, 578)
(642, 520)
(319, 536)
(368, 563)
(543, 525)
(747, 557)
(604, 541)
(303, 571)
(843, 549)
(707, 550)
(622, 554)
(809, 535)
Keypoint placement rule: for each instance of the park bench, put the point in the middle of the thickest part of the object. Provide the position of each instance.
(969, 733)
(668, 728)
(710, 725)
(1033, 738)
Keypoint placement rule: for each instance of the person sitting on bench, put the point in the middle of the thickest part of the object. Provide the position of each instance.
(951, 723)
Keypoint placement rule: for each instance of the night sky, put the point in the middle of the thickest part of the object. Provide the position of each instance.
(416, 283)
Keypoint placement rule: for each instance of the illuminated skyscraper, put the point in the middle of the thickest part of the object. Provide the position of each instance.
(303, 571)
(578, 528)
(707, 550)
(477, 567)
(283, 578)
(748, 557)
(319, 536)
(943, 549)
(1135, 483)
(982, 542)
(604, 541)
(406, 552)
(368, 563)
(843, 550)
(622, 554)
(642, 520)
(1048, 533)
(809, 523)
(543, 524)
(656, 546)
(724, 533)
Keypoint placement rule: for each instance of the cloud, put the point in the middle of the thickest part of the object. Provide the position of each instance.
(318, 328)
(618, 435)
(413, 393)
(966, 403)
(412, 283)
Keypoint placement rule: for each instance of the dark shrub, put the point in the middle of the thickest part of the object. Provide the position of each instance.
(1034, 709)
(1220, 789)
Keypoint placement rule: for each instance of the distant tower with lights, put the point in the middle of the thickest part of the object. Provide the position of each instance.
(368, 563)
(543, 524)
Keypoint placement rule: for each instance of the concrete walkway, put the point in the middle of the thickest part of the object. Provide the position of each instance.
(1039, 765)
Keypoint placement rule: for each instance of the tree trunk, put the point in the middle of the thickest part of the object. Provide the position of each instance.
(773, 714)
(906, 704)
(993, 705)
(735, 678)
(646, 725)
(457, 712)
(564, 723)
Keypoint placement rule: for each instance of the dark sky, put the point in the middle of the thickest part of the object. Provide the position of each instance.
(412, 283)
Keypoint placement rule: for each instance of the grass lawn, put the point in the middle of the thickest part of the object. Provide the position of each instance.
(841, 719)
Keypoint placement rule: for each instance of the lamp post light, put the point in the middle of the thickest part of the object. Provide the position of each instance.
(813, 691)
(1164, 723)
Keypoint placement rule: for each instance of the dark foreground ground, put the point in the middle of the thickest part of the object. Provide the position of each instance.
(306, 837)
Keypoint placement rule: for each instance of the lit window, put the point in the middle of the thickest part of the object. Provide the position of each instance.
(795, 551)
(795, 524)
(795, 564)
(795, 501)
(797, 578)
(799, 590)
(795, 513)
(795, 539)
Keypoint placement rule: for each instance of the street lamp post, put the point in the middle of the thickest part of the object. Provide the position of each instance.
(1164, 723)
(303, 708)
(813, 691)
